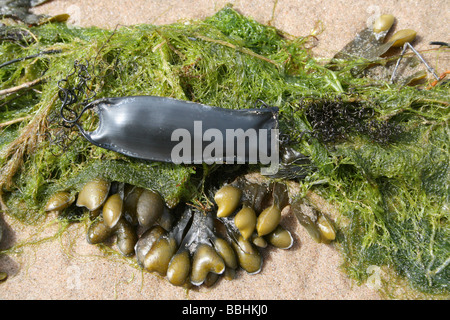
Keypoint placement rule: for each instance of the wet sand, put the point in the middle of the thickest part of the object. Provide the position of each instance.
(67, 267)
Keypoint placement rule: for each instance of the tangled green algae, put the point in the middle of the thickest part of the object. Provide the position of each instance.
(392, 194)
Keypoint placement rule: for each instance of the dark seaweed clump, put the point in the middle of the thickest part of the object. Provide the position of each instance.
(333, 120)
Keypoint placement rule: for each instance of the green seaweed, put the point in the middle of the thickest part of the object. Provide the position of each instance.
(393, 197)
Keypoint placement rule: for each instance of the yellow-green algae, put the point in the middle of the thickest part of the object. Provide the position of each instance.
(393, 198)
